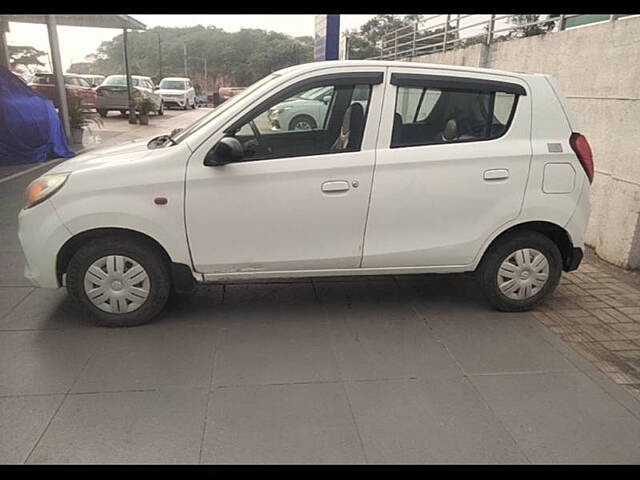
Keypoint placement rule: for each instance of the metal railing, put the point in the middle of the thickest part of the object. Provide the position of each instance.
(440, 33)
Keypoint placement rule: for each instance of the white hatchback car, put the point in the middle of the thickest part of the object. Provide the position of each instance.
(446, 169)
(178, 92)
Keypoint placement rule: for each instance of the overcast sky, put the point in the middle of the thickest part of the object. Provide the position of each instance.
(77, 42)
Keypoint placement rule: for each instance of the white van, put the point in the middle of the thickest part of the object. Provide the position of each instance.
(446, 169)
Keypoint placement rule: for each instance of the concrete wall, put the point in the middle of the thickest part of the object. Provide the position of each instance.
(598, 70)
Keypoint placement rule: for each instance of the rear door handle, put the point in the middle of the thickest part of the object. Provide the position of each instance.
(496, 174)
(333, 186)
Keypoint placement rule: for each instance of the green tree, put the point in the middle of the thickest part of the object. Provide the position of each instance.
(238, 58)
(366, 42)
(25, 59)
(524, 30)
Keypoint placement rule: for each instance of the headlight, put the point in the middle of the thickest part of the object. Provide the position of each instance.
(42, 188)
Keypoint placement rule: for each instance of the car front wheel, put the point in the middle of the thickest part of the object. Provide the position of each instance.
(302, 122)
(122, 281)
(519, 271)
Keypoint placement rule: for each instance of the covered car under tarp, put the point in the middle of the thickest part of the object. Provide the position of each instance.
(30, 129)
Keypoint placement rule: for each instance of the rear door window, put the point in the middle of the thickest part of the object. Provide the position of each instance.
(430, 115)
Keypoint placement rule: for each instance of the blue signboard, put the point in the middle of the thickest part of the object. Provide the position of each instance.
(327, 38)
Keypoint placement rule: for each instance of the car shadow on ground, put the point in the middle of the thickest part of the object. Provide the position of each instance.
(452, 294)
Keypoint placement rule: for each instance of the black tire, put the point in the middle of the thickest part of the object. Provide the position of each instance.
(302, 118)
(143, 252)
(186, 105)
(103, 113)
(161, 109)
(123, 113)
(487, 272)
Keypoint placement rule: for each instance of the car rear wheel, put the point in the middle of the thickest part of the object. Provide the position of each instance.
(121, 281)
(161, 110)
(520, 270)
(103, 113)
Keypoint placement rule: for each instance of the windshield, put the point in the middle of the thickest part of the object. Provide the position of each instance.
(172, 84)
(198, 124)
(120, 80)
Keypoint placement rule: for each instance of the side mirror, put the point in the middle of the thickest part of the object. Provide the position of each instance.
(227, 150)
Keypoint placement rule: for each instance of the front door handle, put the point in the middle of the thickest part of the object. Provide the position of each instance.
(496, 174)
(334, 186)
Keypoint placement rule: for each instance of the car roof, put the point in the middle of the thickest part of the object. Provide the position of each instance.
(132, 76)
(176, 78)
(315, 66)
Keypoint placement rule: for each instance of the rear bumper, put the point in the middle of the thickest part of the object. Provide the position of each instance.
(573, 260)
(106, 103)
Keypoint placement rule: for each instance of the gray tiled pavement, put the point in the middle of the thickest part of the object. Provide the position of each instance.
(381, 370)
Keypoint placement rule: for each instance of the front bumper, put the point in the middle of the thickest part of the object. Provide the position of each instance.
(42, 234)
(170, 101)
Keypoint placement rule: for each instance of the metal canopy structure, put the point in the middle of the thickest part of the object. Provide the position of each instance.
(94, 21)
(124, 22)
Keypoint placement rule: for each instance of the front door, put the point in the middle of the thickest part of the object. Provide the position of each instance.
(298, 198)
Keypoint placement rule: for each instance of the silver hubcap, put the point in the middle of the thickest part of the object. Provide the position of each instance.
(523, 274)
(117, 284)
(302, 125)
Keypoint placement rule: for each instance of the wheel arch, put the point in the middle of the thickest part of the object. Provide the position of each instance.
(181, 277)
(553, 231)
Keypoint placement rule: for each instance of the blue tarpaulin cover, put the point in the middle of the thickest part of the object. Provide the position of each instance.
(30, 129)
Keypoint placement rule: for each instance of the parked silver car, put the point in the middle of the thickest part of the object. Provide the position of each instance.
(112, 94)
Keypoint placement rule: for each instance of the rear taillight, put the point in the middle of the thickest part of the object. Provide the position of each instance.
(582, 149)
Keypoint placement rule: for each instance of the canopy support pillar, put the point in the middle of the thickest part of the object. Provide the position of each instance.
(125, 45)
(59, 75)
(4, 48)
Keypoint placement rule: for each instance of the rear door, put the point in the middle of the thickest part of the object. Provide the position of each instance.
(452, 164)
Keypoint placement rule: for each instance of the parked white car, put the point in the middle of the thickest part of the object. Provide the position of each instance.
(303, 112)
(308, 110)
(450, 169)
(177, 92)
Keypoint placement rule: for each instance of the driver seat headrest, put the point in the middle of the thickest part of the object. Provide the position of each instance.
(450, 132)
(352, 129)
